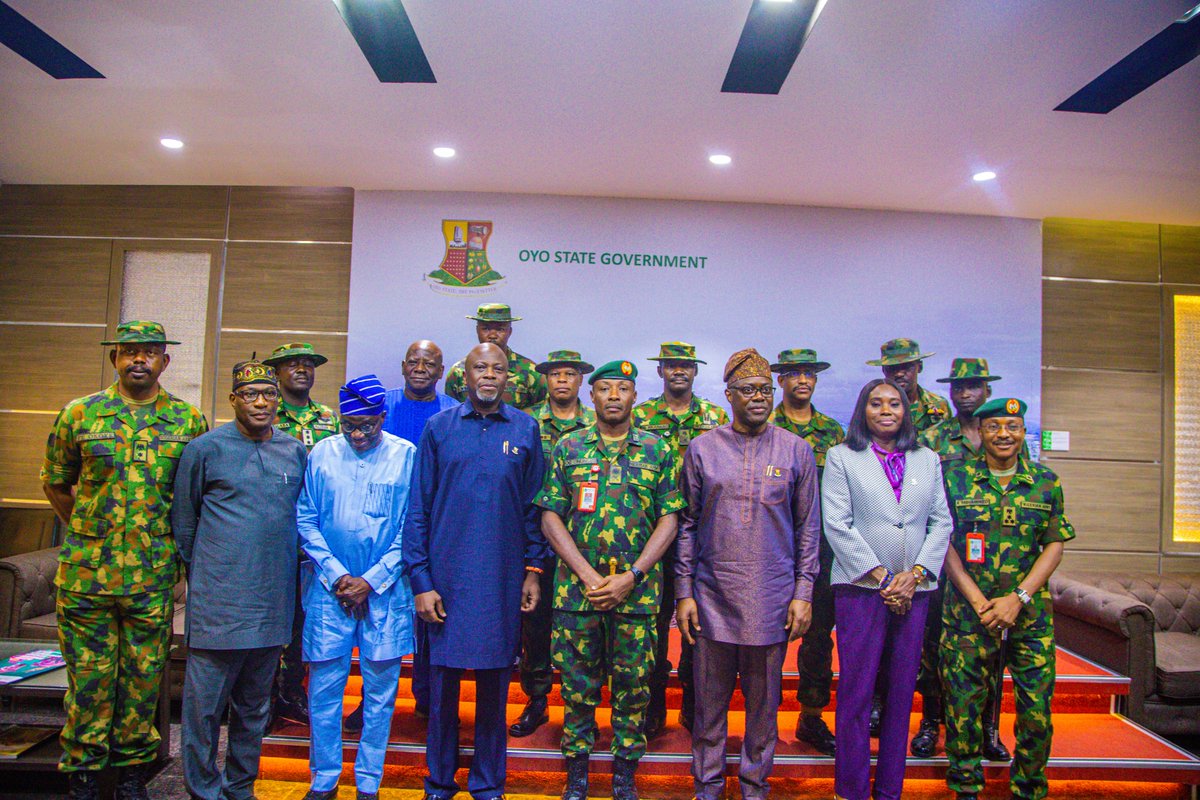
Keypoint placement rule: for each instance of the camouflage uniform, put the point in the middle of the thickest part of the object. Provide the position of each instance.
(525, 387)
(636, 486)
(537, 677)
(310, 425)
(814, 657)
(117, 570)
(1017, 523)
(654, 416)
(929, 409)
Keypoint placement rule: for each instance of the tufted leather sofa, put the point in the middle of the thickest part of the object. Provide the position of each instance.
(1144, 626)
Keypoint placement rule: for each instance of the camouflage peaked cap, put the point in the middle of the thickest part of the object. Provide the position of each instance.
(615, 370)
(746, 363)
(564, 358)
(493, 312)
(141, 332)
(247, 372)
(293, 350)
(1002, 407)
(969, 369)
(676, 351)
(899, 351)
(800, 358)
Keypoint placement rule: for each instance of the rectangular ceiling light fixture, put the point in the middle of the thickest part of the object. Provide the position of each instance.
(771, 40)
(39, 48)
(1158, 57)
(388, 40)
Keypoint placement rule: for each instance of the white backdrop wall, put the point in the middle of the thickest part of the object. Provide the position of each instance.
(841, 281)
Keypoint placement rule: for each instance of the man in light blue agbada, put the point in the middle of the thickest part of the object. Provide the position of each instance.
(350, 516)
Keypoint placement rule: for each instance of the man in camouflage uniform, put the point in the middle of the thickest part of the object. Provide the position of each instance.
(493, 325)
(902, 362)
(677, 416)
(561, 414)
(109, 474)
(1009, 530)
(954, 439)
(797, 370)
(610, 500)
(303, 418)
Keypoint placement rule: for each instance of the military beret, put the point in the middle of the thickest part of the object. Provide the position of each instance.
(620, 370)
(1002, 407)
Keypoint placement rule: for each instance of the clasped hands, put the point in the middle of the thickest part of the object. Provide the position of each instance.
(352, 594)
(609, 591)
(999, 613)
(898, 595)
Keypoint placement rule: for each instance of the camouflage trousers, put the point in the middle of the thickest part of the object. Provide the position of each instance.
(589, 647)
(968, 662)
(115, 648)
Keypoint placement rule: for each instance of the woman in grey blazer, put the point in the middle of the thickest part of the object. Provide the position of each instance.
(888, 524)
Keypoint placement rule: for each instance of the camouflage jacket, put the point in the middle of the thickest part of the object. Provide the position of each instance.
(702, 416)
(929, 409)
(553, 428)
(822, 432)
(1016, 525)
(947, 440)
(118, 539)
(311, 425)
(634, 489)
(526, 387)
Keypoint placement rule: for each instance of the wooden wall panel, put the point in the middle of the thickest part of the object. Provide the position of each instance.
(1077, 248)
(1130, 427)
(74, 354)
(1101, 325)
(54, 280)
(1181, 565)
(1113, 506)
(273, 286)
(177, 212)
(22, 447)
(236, 347)
(1181, 254)
(1119, 563)
(291, 214)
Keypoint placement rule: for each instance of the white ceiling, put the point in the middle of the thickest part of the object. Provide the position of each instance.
(890, 105)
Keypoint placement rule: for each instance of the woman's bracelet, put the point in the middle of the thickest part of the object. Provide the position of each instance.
(887, 580)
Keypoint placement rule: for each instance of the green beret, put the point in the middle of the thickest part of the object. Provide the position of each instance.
(621, 370)
(1002, 407)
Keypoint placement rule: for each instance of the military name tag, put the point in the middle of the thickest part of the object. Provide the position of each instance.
(139, 451)
(95, 437)
(175, 437)
(1036, 506)
(306, 436)
(1009, 516)
(588, 492)
(975, 547)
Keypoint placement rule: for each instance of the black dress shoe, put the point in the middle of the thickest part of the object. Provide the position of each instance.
(83, 786)
(925, 742)
(996, 751)
(813, 730)
(656, 720)
(873, 721)
(293, 709)
(313, 794)
(532, 717)
(354, 722)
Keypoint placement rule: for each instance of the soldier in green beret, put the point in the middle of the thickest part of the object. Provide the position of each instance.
(560, 414)
(678, 416)
(609, 503)
(954, 439)
(797, 370)
(109, 474)
(1009, 530)
(902, 361)
(493, 325)
(303, 418)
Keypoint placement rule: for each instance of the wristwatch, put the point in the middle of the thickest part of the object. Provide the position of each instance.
(638, 575)
(1023, 596)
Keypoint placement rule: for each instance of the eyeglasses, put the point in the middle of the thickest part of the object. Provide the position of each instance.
(252, 395)
(1016, 427)
(796, 373)
(363, 427)
(748, 392)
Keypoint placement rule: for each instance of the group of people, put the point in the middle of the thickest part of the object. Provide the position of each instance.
(506, 519)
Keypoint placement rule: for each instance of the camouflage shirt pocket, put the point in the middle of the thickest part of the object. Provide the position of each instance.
(99, 458)
(166, 460)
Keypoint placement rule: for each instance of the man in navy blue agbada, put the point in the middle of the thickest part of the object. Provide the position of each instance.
(473, 551)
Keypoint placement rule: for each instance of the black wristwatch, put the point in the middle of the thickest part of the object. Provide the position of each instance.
(638, 575)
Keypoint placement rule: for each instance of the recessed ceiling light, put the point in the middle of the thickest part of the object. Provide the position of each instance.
(444, 152)
(171, 144)
(720, 159)
(986, 175)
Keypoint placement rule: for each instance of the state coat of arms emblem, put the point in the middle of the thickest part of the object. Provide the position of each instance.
(465, 264)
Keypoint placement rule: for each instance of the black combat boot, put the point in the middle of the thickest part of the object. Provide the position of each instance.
(925, 742)
(532, 717)
(623, 785)
(83, 786)
(993, 745)
(577, 778)
(131, 782)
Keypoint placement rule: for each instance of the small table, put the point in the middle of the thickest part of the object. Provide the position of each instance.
(52, 685)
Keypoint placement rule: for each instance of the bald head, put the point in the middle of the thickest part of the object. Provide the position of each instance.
(486, 373)
(422, 369)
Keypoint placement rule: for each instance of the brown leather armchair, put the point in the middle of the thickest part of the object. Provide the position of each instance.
(1144, 626)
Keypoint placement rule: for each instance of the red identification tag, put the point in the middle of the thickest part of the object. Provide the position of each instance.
(975, 547)
(588, 492)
